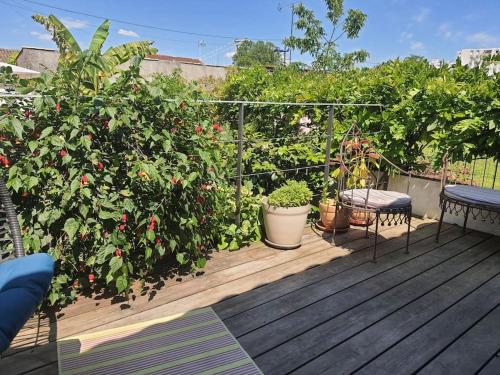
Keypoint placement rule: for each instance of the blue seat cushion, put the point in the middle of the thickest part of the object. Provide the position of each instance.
(23, 284)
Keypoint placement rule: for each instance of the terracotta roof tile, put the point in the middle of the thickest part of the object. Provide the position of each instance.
(5, 54)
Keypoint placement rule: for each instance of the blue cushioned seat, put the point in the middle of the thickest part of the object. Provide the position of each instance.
(23, 284)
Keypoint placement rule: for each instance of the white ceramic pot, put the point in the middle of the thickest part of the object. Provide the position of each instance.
(284, 225)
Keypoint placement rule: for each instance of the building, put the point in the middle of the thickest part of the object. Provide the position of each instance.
(43, 59)
(475, 56)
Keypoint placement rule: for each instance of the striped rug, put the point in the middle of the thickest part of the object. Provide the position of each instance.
(196, 342)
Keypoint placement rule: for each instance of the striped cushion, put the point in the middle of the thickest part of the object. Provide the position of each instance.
(376, 198)
(473, 195)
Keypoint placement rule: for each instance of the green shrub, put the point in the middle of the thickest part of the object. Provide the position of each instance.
(291, 194)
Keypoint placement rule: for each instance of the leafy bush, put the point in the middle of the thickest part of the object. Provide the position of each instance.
(112, 184)
(291, 194)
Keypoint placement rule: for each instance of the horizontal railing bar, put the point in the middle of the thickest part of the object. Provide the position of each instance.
(279, 170)
(246, 102)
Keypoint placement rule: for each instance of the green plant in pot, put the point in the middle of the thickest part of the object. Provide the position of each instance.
(330, 217)
(285, 214)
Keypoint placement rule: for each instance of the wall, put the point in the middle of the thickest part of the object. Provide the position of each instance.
(41, 59)
(425, 202)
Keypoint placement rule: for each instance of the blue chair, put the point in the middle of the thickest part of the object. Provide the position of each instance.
(23, 280)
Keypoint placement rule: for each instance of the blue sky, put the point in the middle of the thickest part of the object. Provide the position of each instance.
(430, 28)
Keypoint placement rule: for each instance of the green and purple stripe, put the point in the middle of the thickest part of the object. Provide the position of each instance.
(195, 343)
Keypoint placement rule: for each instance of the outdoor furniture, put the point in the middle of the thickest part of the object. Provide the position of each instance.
(464, 199)
(24, 280)
(359, 179)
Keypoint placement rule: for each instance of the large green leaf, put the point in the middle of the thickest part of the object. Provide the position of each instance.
(118, 55)
(60, 34)
(99, 37)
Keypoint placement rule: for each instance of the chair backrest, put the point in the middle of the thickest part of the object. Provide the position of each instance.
(360, 163)
(480, 171)
(10, 232)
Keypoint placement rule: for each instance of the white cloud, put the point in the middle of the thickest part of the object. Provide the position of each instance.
(230, 54)
(417, 46)
(41, 36)
(72, 23)
(446, 31)
(483, 39)
(422, 15)
(404, 36)
(130, 33)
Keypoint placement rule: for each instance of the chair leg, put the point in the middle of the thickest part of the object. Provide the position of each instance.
(440, 221)
(377, 215)
(367, 224)
(334, 229)
(465, 220)
(408, 234)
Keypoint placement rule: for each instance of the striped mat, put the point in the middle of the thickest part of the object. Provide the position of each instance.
(196, 342)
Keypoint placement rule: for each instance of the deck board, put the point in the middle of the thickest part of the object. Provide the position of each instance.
(322, 307)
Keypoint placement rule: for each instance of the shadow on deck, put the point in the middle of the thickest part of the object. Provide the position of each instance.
(322, 308)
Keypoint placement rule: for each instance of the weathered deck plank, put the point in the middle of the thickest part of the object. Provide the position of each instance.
(323, 308)
(471, 351)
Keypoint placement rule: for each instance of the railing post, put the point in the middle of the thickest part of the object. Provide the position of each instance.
(328, 144)
(495, 174)
(241, 118)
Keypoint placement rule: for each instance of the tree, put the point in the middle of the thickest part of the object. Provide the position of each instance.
(91, 66)
(321, 43)
(262, 53)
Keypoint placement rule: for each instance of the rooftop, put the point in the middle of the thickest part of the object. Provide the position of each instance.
(175, 59)
(6, 53)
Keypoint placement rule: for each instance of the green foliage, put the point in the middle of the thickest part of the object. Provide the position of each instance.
(291, 194)
(113, 184)
(320, 42)
(232, 237)
(261, 53)
(86, 70)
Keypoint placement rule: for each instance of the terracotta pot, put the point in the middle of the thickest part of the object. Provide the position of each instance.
(284, 225)
(328, 220)
(359, 218)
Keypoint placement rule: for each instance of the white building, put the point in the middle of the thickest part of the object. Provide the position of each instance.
(473, 58)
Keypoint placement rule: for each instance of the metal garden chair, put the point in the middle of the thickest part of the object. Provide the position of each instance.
(462, 197)
(23, 280)
(359, 180)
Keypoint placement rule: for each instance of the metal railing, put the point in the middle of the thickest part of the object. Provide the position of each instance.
(241, 140)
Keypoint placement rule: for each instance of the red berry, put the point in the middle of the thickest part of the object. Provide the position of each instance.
(198, 129)
(200, 200)
(124, 218)
(100, 166)
(58, 107)
(121, 227)
(106, 124)
(118, 252)
(27, 114)
(63, 153)
(85, 180)
(91, 278)
(158, 241)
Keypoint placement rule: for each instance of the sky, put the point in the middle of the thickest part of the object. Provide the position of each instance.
(394, 28)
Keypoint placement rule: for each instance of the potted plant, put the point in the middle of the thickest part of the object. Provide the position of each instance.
(285, 214)
(330, 218)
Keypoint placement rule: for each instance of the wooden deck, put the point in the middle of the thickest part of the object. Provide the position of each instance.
(322, 308)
